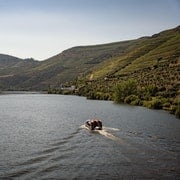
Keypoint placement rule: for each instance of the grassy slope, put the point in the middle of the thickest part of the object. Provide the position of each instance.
(12, 70)
(154, 60)
(116, 61)
(11, 65)
(61, 68)
(144, 54)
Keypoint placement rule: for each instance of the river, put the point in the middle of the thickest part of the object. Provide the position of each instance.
(43, 137)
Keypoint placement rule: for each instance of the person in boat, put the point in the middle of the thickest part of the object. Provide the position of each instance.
(99, 124)
(93, 124)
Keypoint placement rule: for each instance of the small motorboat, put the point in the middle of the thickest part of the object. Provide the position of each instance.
(94, 124)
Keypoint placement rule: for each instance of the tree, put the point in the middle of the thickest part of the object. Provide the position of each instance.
(124, 89)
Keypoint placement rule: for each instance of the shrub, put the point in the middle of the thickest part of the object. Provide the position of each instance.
(151, 89)
(132, 99)
(176, 101)
(155, 103)
(137, 102)
(124, 89)
(177, 112)
(173, 109)
(167, 104)
(91, 95)
(147, 92)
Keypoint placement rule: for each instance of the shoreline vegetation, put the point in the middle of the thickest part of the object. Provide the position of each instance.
(127, 92)
(130, 92)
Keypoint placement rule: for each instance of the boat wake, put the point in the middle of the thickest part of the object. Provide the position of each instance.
(106, 132)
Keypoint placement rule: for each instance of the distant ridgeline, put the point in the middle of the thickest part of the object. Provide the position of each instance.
(143, 71)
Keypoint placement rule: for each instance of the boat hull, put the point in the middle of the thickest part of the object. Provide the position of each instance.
(93, 124)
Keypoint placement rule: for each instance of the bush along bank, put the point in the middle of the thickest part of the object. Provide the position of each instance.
(149, 96)
(127, 91)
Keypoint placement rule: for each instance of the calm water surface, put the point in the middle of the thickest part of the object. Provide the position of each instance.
(42, 137)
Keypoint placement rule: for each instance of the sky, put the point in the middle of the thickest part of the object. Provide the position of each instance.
(43, 28)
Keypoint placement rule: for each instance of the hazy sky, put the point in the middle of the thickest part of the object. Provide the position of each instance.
(43, 28)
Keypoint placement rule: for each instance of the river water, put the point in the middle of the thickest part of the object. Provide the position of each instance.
(43, 137)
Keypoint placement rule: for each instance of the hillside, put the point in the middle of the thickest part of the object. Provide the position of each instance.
(10, 65)
(152, 63)
(162, 47)
(12, 70)
(114, 61)
(64, 67)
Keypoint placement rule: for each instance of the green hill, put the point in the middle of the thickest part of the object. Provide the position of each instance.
(12, 70)
(58, 69)
(153, 63)
(100, 71)
(10, 65)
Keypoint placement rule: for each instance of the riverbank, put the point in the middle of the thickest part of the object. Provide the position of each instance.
(135, 97)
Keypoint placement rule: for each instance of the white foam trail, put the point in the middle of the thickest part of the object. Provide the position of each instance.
(113, 129)
(83, 126)
(107, 134)
(110, 136)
